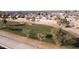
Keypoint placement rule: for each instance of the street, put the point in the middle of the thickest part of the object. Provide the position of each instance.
(13, 44)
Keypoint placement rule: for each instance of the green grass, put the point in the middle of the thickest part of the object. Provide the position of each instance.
(38, 27)
(40, 32)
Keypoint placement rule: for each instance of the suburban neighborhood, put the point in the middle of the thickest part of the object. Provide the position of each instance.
(39, 29)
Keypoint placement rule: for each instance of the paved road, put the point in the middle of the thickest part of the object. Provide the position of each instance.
(13, 44)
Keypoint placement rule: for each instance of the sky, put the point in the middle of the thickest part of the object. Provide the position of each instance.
(11, 5)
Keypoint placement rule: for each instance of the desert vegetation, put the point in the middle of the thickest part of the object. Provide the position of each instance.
(42, 33)
(12, 22)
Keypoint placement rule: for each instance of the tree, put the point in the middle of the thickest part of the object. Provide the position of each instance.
(33, 19)
(4, 21)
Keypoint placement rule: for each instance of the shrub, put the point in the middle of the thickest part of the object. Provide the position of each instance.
(60, 36)
(72, 42)
(33, 34)
(15, 28)
(26, 32)
(49, 36)
(36, 34)
(41, 36)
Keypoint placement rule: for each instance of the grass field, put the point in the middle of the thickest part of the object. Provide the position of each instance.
(41, 32)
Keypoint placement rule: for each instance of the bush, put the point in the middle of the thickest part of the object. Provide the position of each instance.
(14, 28)
(36, 34)
(30, 33)
(41, 36)
(49, 36)
(33, 34)
(60, 36)
(26, 32)
(72, 42)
